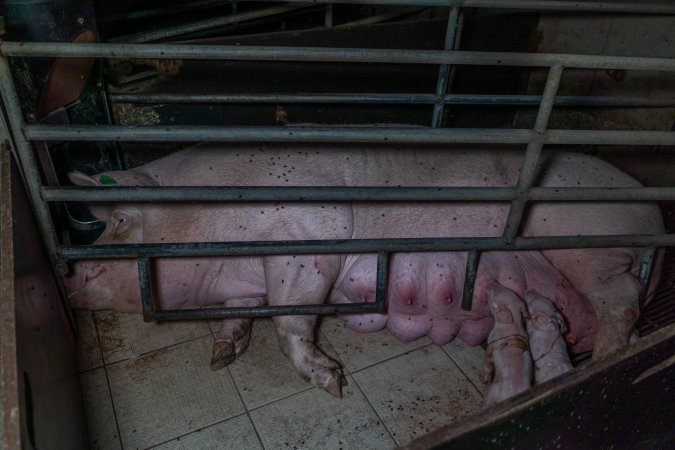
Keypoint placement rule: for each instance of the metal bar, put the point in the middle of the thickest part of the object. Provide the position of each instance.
(444, 69)
(28, 164)
(470, 279)
(328, 16)
(530, 168)
(646, 269)
(264, 311)
(452, 99)
(381, 283)
(643, 7)
(360, 246)
(147, 297)
(326, 54)
(179, 30)
(413, 135)
(346, 194)
(163, 11)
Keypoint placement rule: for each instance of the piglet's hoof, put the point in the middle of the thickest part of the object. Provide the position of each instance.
(333, 385)
(223, 354)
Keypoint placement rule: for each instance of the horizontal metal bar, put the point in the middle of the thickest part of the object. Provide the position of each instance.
(264, 311)
(412, 135)
(360, 246)
(214, 22)
(346, 194)
(452, 99)
(643, 7)
(327, 54)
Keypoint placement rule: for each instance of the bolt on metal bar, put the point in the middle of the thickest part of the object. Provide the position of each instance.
(147, 296)
(345, 194)
(341, 246)
(643, 7)
(28, 164)
(413, 135)
(452, 99)
(326, 54)
(444, 69)
(529, 170)
(472, 259)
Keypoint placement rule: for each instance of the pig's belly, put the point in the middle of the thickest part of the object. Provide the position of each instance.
(425, 290)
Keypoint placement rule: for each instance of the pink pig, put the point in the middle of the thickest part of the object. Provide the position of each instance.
(545, 329)
(425, 288)
(508, 363)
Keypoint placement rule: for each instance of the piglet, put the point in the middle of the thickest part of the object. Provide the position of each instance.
(545, 329)
(508, 363)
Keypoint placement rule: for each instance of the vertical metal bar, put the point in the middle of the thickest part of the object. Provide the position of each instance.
(382, 282)
(529, 171)
(145, 277)
(328, 19)
(646, 269)
(444, 70)
(470, 279)
(28, 164)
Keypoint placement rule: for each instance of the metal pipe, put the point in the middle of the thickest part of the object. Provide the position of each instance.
(381, 282)
(646, 269)
(147, 297)
(264, 311)
(412, 135)
(444, 69)
(470, 279)
(642, 7)
(326, 54)
(28, 165)
(530, 167)
(452, 99)
(339, 246)
(346, 194)
(201, 25)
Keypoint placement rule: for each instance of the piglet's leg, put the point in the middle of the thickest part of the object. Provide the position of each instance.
(303, 280)
(233, 337)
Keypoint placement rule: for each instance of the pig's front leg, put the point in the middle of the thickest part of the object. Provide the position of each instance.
(233, 337)
(303, 280)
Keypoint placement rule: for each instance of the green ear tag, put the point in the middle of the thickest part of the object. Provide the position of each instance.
(107, 179)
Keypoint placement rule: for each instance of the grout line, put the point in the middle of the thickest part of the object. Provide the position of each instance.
(356, 383)
(150, 352)
(463, 371)
(421, 346)
(107, 379)
(200, 429)
(246, 410)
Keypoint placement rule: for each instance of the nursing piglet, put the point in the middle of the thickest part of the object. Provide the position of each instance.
(545, 329)
(508, 363)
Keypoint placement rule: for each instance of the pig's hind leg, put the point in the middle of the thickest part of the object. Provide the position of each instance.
(233, 337)
(304, 280)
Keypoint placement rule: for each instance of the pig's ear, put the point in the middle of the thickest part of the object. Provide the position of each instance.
(81, 179)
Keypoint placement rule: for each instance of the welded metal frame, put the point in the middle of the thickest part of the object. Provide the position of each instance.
(519, 195)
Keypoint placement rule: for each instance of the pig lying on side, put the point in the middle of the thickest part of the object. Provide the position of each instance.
(546, 328)
(425, 288)
(508, 364)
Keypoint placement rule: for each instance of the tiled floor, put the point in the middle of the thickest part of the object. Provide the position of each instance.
(150, 386)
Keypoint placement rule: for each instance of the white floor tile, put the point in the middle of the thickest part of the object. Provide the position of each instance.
(99, 411)
(469, 359)
(88, 351)
(170, 393)
(124, 335)
(314, 420)
(360, 350)
(418, 392)
(264, 374)
(235, 434)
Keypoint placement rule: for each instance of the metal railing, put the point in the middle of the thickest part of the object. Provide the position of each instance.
(518, 196)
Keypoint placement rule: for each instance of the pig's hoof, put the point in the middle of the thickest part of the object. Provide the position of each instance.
(223, 354)
(334, 386)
